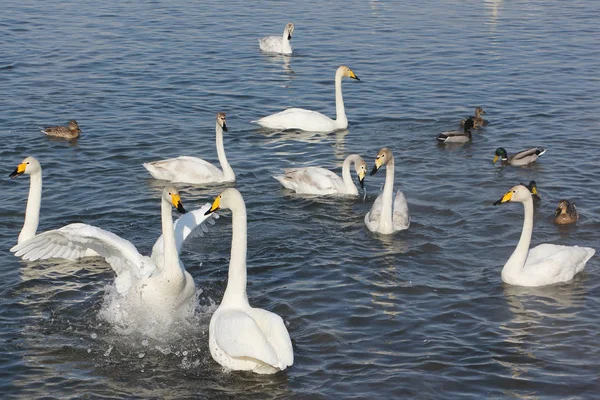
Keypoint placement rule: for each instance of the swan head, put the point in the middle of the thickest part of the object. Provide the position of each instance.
(500, 153)
(289, 28)
(73, 127)
(226, 199)
(221, 121)
(383, 157)
(479, 111)
(28, 166)
(517, 193)
(361, 171)
(347, 72)
(171, 195)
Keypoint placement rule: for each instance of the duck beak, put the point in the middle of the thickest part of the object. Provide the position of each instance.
(215, 206)
(534, 191)
(504, 198)
(177, 203)
(224, 127)
(495, 159)
(18, 171)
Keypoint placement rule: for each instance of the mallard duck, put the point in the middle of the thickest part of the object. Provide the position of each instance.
(477, 120)
(457, 136)
(565, 213)
(521, 158)
(278, 44)
(71, 131)
(532, 186)
(546, 263)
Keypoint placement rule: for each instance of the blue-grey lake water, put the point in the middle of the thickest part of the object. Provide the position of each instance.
(422, 313)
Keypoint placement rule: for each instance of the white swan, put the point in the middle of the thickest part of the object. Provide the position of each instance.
(546, 263)
(306, 120)
(164, 288)
(278, 44)
(31, 166)
(195, 170)
(241, 337)
(387, 214)
(321, 181)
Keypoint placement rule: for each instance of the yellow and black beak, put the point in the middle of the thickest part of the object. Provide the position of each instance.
(224, 127)
(507, 197)
(215, 205)
(495, 159)
(176, 200)
(376, 166)
(361, 178)
(20, 170)
(353, 75)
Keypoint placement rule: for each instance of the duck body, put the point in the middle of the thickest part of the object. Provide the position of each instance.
(566, 213)
(457, 136)
(478, 120)
(521, 158)
(194, 170)
(241, 337)
(544, 264)
(307, 120)
(71, 131)
(388, 214)
(278, 44)
(321, 181)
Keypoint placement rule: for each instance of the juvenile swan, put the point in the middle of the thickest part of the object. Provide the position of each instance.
(321, 181)
(241, 337)
(184, 169)
(71, 131)
(387, 215)
(166, 288)
(546, 263)
(306, 120)
(278, 44)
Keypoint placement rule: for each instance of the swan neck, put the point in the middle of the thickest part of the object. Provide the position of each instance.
(341, 119)
(228, 173)
(32, 212)
(347, 177)
(171, 256)
(236, 282)
(387, 199)
(517, 260)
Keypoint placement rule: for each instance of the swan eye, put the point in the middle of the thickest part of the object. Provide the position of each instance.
(27, 163)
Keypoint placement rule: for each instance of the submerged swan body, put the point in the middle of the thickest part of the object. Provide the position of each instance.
(31, 166)
(162, 288)
(388, 214)
(306, 120)
(321, 181)
(545, 264)
(70, 131)
(242, 337)
(195, 170)
(278, 44)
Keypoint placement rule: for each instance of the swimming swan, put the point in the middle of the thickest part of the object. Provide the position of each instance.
(164, 288)
(321, 181)
(31, 166)
(241, 337)
(184, 169)
(383, 218)
(546, 263)
(278, 44)
(306, 120)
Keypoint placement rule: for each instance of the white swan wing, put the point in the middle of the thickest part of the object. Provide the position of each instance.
(72, 241)
(401, 218)
(274, 329)
(189, 225)
(238, 335)
(374, 215)
(299, 118)
(556, 263)
(311, 180)
(184, 169)
(271, 44)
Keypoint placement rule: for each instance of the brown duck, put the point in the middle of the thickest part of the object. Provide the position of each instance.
(565, 213)
(71, 131)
